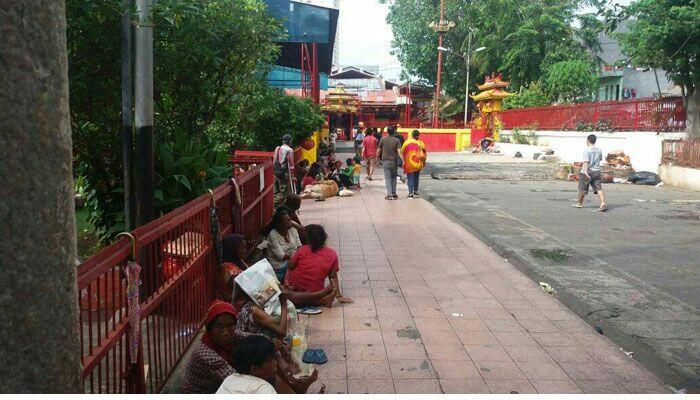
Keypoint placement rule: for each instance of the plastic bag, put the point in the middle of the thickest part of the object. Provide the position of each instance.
(644, 178)
(345, 193)
(259, 282)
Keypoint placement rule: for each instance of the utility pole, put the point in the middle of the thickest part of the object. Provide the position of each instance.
(128, 116)
(466, 90)
(144, 113)
(441, 28)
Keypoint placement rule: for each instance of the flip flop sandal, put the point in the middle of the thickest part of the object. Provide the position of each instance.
(576, 206)
(388, 198)
(309, 356)
(603, 209)
(309, 311)
(321, 357)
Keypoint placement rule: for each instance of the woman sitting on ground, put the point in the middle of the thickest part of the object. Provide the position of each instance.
(308, 270)
(282, 241)
(301, 170)
(253, 320)
(293, 204)
(234, 250)
(211, 360)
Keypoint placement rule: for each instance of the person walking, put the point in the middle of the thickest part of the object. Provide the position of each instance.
(283, 168)
(359, 139)
(369, 152)
(388, 153)
(401, 141)
(590, 175)
(414, 155)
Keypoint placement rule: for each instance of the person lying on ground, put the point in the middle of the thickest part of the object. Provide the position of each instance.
(308, 270)
(293, 204)
(234, 251)
(282, 241)
(253, 320)
(211, 361)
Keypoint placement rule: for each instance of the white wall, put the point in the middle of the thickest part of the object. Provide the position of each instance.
(688, 178)
(644, 148)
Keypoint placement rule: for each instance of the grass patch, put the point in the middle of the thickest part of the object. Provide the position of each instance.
(88, 242)
(557, 255)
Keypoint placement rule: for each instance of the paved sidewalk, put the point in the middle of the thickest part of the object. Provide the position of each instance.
(437, 311)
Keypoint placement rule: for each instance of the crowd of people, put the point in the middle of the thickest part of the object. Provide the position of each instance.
(245, 349)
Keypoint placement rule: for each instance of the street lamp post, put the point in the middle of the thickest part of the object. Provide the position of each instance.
(467, 59)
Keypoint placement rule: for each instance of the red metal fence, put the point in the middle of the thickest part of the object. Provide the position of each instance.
(683, 153)
(178, 271)
(667, 114)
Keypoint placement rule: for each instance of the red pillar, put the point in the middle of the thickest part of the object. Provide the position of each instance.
(315, 78)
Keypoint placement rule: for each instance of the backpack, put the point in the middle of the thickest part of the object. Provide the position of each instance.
(281, 170)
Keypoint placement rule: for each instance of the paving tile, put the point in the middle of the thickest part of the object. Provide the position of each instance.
(602, 387)
(487, 353)
(411, 369)
(646, 387)
(363, 337)
(464, 386)
(361, 323)
(425, 311)
(527, 353)
(335, 352)
(491, 370)
(510, 386)
(569, 354)
(448, 369)
(463, 312)
(493, 314)
(504, 325)
(417, 386)
(368, 370)
(389, 302)
(468, 325)
(433, 324)
(556, 387)
(412, 351)
(389, 323)
(515, 339)
(401, 336)
(387, 311)
(449, 352)
(333, 386)
(586, 372)
(477, 338)
(320, 338)
(553, 339)
(326, 324)
(332, 370)
(484, 303)
(365, 352)
(629, 371)
(541, 370)
(439, 337)
(538, 325)
(370, 386)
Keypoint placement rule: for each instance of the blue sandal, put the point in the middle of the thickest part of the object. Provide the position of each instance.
(321, 357)
(309, 356)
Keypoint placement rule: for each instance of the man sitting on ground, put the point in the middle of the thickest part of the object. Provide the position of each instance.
(256, 368)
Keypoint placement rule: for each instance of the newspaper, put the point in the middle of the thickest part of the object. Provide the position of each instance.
(260, 283)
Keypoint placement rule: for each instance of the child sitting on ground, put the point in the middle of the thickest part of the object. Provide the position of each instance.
(346, 175)
(357, 172)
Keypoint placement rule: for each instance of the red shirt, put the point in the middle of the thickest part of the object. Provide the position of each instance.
(312, 269)
(306, 182)
(369, 146)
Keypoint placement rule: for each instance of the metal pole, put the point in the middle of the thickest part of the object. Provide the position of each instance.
(466, 90)
(128, 116)
(315, 78)
(144, 112)
(436, 115)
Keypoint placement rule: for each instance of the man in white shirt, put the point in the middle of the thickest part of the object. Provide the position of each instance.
(591, 175)
(256, 368)
(283, 168)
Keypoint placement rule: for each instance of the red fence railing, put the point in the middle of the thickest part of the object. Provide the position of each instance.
(178, 270)
(666, 114)
(683, 153)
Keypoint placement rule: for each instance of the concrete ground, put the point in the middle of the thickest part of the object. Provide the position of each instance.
(632, 272)
(438, 311)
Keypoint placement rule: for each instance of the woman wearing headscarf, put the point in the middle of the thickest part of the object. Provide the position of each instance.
(234, 250)
(414, 155)
(212, 360)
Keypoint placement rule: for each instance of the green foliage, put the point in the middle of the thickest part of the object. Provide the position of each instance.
(522, 38)
(531, 96)
(208, 56)
(518, 137)
(259, 121)
(570, 81)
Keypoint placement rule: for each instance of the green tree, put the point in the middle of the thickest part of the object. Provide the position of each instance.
(522, 39)
(533, 95)
(208, 55)
(665, 34)
(570, 81)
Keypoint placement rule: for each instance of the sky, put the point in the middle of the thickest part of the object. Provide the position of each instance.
(365, 37)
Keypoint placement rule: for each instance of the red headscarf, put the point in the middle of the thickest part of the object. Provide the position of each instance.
(217, 308)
